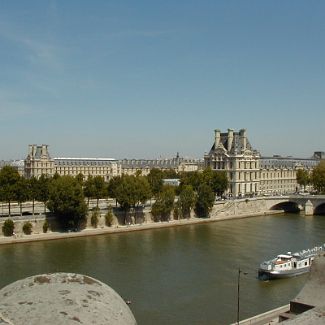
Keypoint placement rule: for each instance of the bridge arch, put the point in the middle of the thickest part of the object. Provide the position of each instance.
(320, 209)
(288, 206)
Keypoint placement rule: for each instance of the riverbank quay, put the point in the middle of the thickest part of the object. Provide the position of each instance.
(21, 238)
(307, 308)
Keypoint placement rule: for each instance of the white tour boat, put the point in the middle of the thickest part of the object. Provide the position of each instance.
(287, 265)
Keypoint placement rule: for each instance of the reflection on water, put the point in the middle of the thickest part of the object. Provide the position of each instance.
(181, 275)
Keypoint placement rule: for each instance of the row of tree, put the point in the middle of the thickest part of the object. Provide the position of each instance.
(316, 178)
(65, 196)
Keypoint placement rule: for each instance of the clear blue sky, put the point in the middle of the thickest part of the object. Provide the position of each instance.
(144, 79)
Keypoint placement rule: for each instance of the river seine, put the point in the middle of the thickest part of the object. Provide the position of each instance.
(181, 275)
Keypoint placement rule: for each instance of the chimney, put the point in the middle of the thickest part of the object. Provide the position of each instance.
(216, 138)
(30, 150)
(44, 150)
(34, 150)
(243, 138)
(230, 138)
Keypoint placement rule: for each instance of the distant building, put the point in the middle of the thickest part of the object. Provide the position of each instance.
(177, 164)
(232, 152)
(39, 161)
(18, 164)
(171, 181)
(249, 173)
(104, 167)
(278, 175)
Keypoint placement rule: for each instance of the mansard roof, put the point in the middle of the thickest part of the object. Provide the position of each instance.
(237, 145)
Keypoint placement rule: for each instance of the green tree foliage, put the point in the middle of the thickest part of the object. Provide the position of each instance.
(89, 188)
(109, 217)
(112, 185)
(204, 201)
(155, 179)
(177, 211)
(43, 189)
(130, 191)
(95, 188)
(186, 201)
(66, 202)
(9, 178)
(194, 179)
(8, 228)
(45, 226)
(303, 178)
(217, 180)
(27, 228)
(318, 177)
(164, 204)
(32, 185)
(94, 217)
(80, 179)
(21, 192)
(100, 188)
(170, 173)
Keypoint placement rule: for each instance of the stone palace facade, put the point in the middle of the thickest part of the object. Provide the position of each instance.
(39, 161)
(248, 172)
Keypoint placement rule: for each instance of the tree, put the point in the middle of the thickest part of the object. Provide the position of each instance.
(186, 201)
(43, 189)
(130, 191)
(205, 200)
(194, 179)
(109, 217)
(27, 228)
(9, 178)
(217, 180)
(155, 179)
(303, 178)
(318, 177)
(163, 206)
(89, 188)
(112, 185)
(66, 202)
(80, 179)
(32, 184)
(99, 188)
(94, 217)
(8, 228)
(21, 192)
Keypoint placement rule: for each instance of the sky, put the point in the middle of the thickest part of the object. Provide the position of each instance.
(150, 78)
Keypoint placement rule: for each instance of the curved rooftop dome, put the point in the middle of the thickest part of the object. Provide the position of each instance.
(62, 298)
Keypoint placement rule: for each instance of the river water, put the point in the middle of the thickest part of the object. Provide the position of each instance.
(181, 275)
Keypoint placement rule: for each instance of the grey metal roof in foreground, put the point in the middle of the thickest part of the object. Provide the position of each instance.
(62, 298)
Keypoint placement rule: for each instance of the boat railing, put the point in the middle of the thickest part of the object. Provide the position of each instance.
(302, 254)
(311, 252)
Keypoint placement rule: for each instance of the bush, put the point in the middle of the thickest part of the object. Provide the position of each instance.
(94, 218)
(45, 226)
(177, 212)
(8, 227)
(109, 217)
(27, 228)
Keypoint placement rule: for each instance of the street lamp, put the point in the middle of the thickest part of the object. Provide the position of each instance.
(238, 292)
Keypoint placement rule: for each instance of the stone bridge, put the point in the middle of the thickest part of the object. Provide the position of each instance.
(310, 204)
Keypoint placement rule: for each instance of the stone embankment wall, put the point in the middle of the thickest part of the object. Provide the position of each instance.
(238, 207)
(221, 209)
